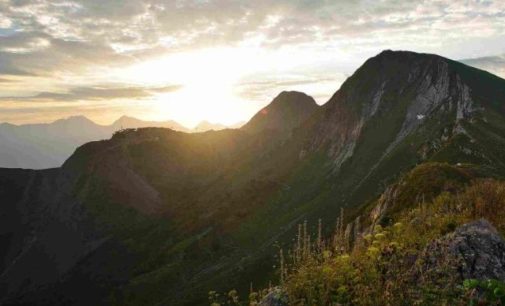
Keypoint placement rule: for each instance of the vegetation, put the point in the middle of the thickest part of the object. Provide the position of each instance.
(386, 264)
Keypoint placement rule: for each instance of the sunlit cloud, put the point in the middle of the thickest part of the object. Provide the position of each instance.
(95, 93)
(229, 58)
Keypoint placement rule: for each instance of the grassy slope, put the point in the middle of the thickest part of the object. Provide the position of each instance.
(239, 249)
(378, 269)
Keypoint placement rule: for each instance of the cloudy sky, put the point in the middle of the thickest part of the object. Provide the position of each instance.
(218, 60)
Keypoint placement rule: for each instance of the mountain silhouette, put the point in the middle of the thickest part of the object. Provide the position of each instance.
(41, 146)
(157, 216)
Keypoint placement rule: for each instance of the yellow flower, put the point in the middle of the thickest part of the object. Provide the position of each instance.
(373, 251)
(342, 289)
(394, 244)
(379, 236)
(327, 270)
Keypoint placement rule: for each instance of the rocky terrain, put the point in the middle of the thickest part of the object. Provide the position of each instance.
(159, 217)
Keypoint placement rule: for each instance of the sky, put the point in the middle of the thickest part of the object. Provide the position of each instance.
(221, 60)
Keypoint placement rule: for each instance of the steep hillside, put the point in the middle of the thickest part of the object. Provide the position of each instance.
(286, 112)
(402, 108)
(165, 216)
(434, 237)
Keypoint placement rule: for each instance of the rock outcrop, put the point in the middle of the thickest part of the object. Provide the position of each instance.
(275, 298)
(476, 249)
(404, 89)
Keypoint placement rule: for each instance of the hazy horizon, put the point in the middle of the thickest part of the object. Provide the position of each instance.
(215, 61)
(109, 123)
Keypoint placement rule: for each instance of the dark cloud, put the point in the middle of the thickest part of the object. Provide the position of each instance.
(95, 93)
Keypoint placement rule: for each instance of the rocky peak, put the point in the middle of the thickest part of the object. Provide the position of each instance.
(401, 89)
(287, 111)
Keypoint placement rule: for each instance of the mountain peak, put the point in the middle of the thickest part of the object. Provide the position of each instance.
(286, 111)
(405, 91)
(125, 120)
(293, 97)
(205, 125)
(388, 54)
(80, 119)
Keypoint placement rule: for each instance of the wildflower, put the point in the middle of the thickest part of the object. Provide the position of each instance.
(379, 236)
(394, 244)
(233, 295)
(327, 270)
(373, 251)
(253, 296)
(342, 290)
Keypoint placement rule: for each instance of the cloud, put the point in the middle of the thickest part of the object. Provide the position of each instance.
(94, 93)
(493, 64)
(53, 45)
(2, 80)
(40, 55)
(320, 86)
(97, 32)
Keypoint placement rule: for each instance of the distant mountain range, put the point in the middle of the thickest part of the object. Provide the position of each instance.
(48, 145)
(158, 217)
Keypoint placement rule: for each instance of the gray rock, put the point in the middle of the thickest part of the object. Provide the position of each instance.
(475, 249)
(275, 298)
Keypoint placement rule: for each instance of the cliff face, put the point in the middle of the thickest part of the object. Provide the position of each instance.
(154, 210)
(396, 92)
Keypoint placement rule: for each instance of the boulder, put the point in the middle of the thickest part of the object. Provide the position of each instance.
(475, 250)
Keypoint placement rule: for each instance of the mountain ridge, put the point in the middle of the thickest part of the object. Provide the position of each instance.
(48, 145)
(215, 199)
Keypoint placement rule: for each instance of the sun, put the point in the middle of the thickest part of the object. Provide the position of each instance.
(207, 79)
(220, 84)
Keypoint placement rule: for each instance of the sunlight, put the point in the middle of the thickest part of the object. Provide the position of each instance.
(207, 77)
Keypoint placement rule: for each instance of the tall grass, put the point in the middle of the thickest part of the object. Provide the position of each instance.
(386, 265)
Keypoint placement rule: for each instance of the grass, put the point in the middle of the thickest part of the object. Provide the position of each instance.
(385, 265)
